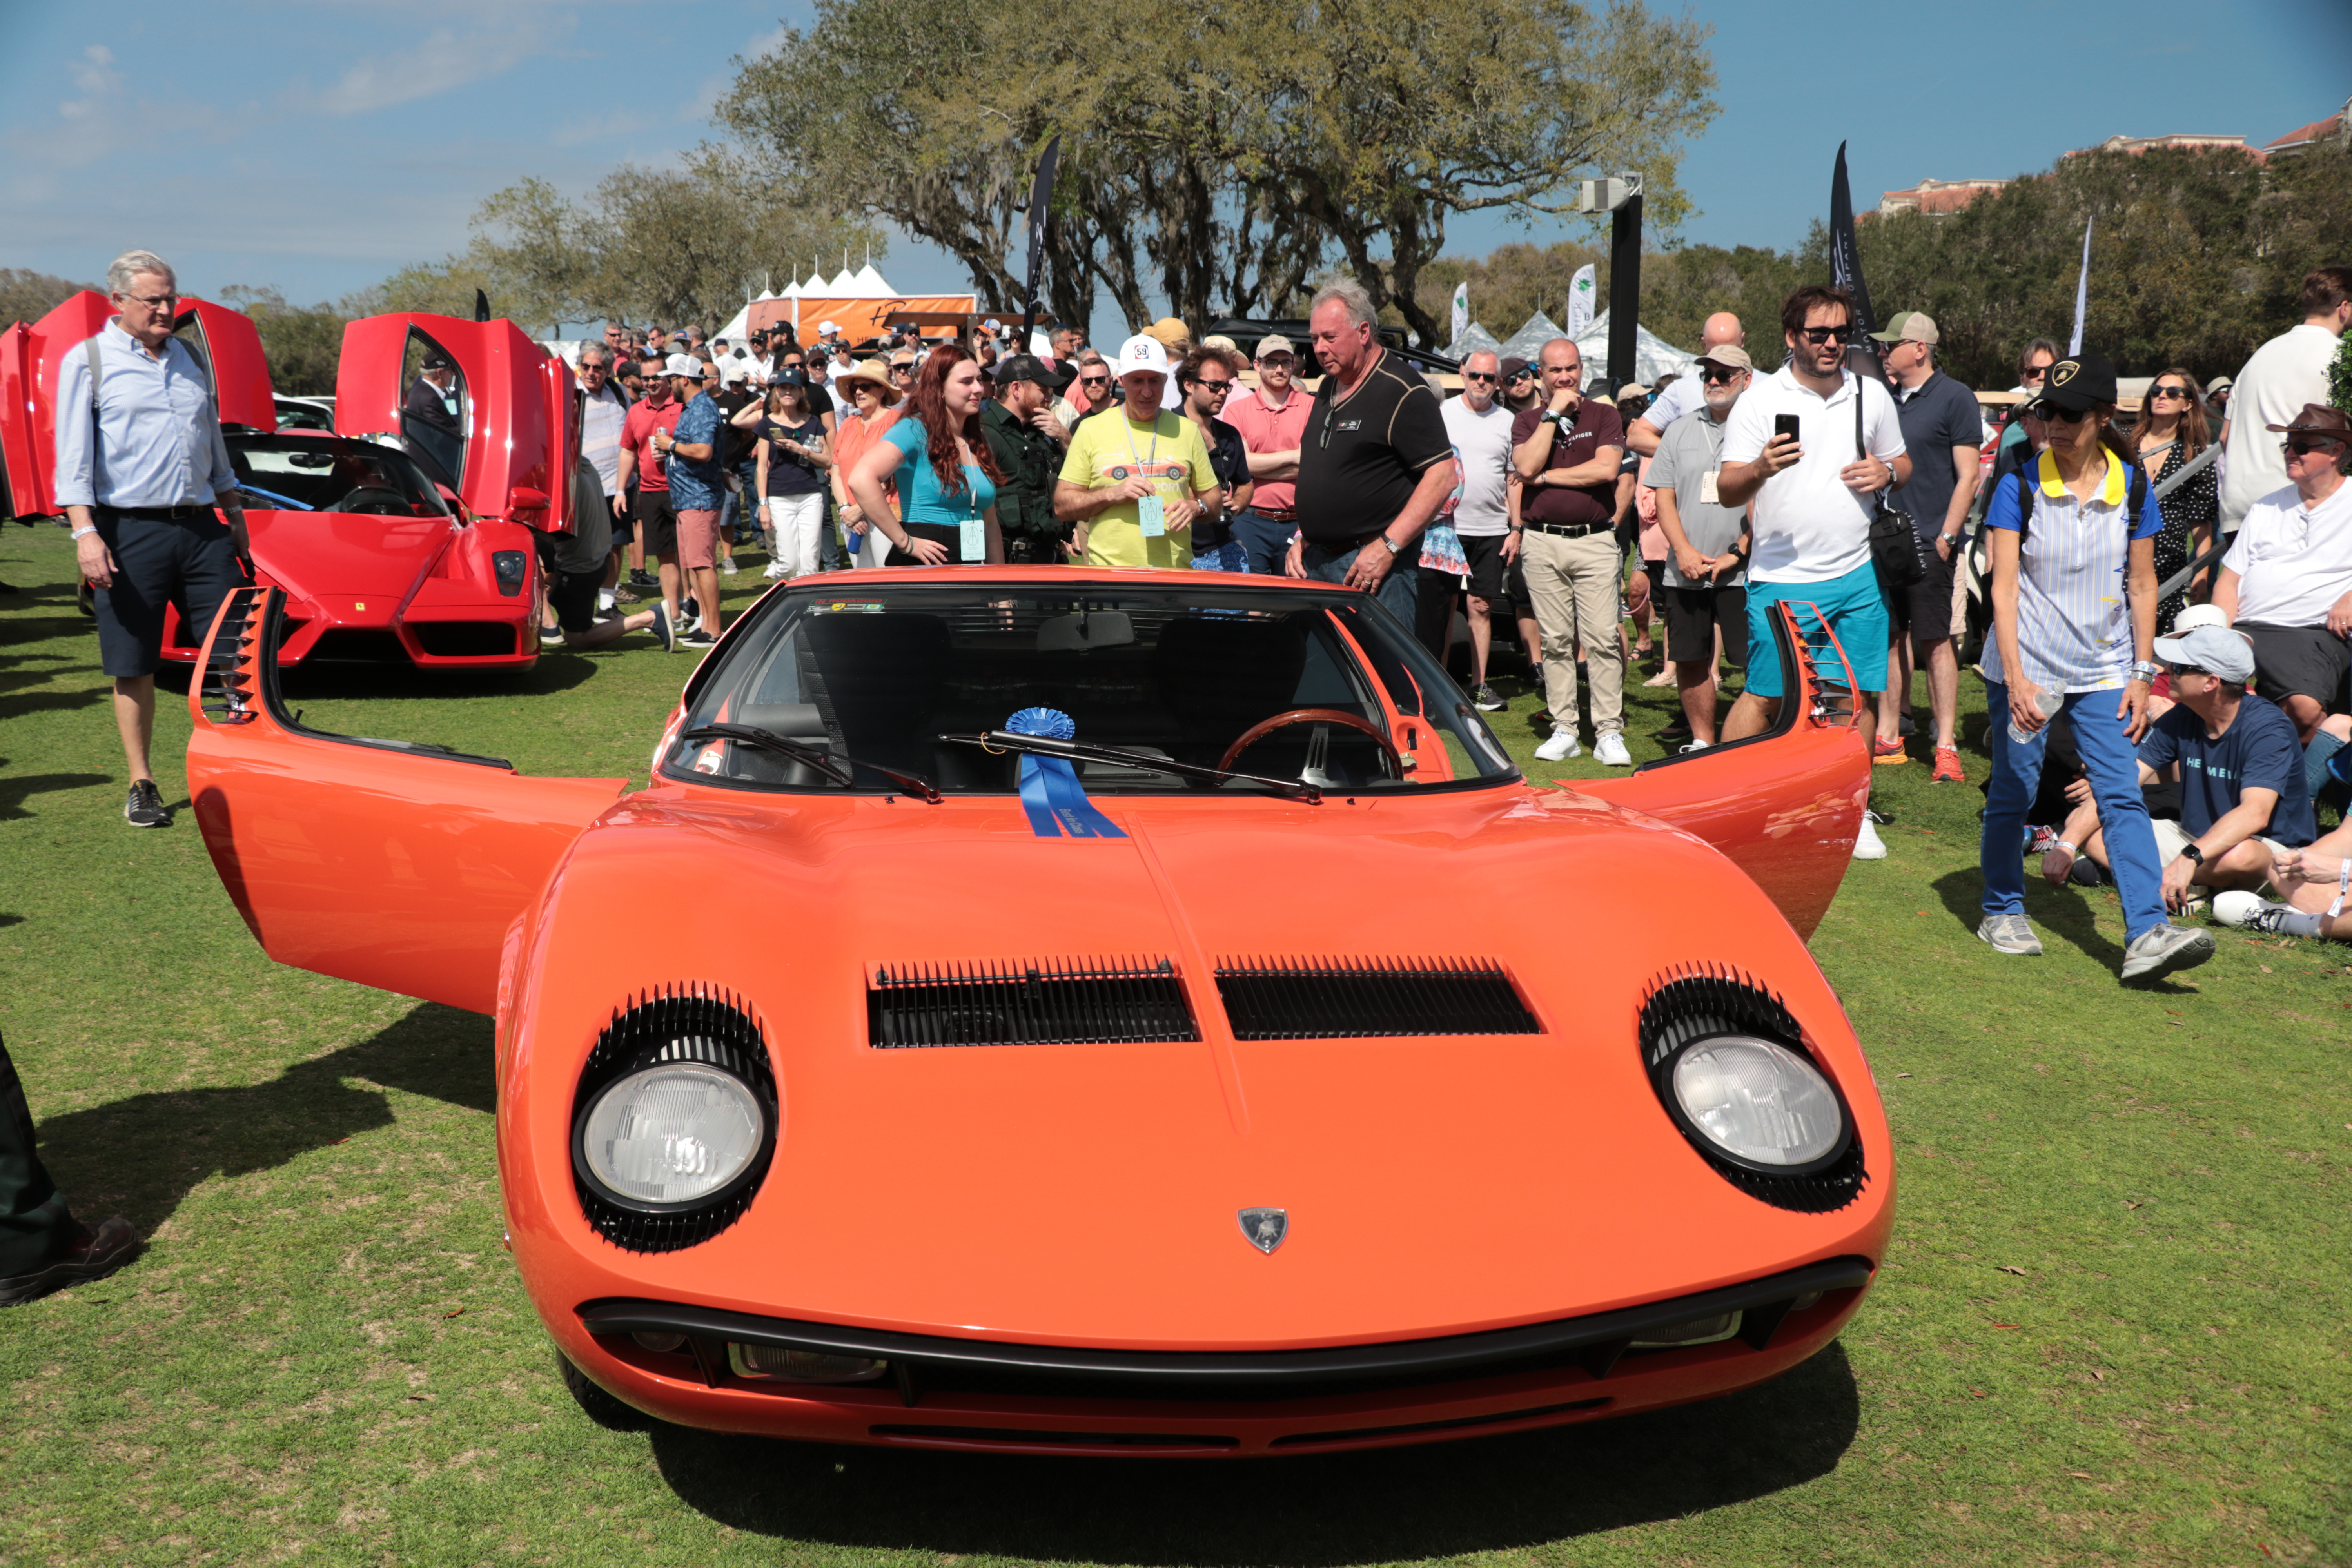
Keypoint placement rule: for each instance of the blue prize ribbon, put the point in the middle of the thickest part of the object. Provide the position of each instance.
(1050, 791)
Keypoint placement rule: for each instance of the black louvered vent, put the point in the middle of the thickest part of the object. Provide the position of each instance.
(1042, 1001)
(227, 695)
(689, 1023)
(1687, 1004)
(1333, 998)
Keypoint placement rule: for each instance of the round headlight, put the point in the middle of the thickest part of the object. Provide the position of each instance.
(1759, 1103)
(673, 1134)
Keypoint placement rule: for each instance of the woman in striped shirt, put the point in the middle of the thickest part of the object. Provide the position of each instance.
(2073, 605)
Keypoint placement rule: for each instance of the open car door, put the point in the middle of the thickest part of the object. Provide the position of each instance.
(393, 864)
(507, 431)
(223, 341)
(1784, 805)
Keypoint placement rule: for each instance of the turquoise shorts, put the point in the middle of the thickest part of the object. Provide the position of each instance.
(1855, 609)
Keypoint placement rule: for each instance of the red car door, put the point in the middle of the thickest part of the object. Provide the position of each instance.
(1784, 806)
(516, 434)
(395, 865)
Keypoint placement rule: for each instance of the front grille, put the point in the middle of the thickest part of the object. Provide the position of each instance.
(358, 645)
(464, 639)
(1042, 1001)
(1458, 1423)
(1336, 998)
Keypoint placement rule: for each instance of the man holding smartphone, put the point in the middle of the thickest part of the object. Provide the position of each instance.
(1791, 448)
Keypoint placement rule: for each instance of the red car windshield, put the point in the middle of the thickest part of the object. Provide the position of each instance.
(878, 669)
(327, 473)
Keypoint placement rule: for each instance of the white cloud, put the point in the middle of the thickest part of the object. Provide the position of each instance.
(444, 62)
(95, 75)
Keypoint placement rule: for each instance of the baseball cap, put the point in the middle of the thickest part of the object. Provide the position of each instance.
(2219, 383)
(829, 329)
(682, 364)
(2079, 381)
(436, 361)
(2214, 649)
(1138, 353)
(1730, 356)
(1167, 331)
(1275, 343)
(1514, 365)
(1908, 327)
(2319, 420)
(1027, 367)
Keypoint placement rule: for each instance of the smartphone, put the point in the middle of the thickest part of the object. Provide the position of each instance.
(1787, 424)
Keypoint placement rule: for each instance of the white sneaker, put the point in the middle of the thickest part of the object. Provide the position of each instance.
(1559, 747)
(2250, 912)
(1690, 746)
(727, 566)
(775, 570)
(1610, 751)
(604, 605)
(1867, 845)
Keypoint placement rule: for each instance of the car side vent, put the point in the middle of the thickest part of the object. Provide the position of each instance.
(229, 694)
(1041, 1001)
(1344, 998)
(1687, 1005)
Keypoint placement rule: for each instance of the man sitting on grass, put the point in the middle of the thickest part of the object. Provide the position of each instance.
(2243, 799)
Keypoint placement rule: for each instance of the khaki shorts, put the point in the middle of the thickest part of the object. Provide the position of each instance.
(2171, 838)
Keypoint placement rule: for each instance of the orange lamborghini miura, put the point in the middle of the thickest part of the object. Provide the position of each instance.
(1148, 1014)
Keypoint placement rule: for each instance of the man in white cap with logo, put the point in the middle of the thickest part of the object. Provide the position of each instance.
(1137, 479)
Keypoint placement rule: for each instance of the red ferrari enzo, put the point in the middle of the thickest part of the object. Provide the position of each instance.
(393, 538)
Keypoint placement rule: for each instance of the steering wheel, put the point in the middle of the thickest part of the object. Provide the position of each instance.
(1259, 730)
(396, 504)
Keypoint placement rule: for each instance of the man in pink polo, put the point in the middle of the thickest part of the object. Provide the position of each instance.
(1272, 419)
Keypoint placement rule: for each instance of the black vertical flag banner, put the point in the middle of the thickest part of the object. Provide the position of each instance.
(1041, 198)
(1845, 272)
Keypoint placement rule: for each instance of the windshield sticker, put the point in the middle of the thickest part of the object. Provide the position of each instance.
(847, 608)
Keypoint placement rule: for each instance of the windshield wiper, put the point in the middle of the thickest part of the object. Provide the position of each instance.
(816, 757)
(1079, 750)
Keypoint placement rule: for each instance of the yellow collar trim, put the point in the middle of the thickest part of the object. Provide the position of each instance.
(2110, 488)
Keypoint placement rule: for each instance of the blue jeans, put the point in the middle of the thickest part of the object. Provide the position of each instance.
(1230, 556)
(2112, 763)
(1399, 590)
(1265, 541)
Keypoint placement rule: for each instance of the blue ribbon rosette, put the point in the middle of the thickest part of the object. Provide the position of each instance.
(1050, 791)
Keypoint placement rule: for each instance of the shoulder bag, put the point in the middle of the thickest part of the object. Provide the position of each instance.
(1894, 547)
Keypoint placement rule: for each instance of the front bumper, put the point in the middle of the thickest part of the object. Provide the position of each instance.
(985, 1394)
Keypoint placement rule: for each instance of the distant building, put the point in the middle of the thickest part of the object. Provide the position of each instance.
(2335, 128)
(1937, 198)
(2149, 144)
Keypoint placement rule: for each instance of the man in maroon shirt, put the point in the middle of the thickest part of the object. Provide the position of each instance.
(1567, 452)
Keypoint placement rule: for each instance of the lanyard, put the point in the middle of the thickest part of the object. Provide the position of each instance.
(1128, 427)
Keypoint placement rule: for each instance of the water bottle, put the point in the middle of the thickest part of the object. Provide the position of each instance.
(2048, 702)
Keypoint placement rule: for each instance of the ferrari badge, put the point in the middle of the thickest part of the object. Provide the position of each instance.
(1264, 1228)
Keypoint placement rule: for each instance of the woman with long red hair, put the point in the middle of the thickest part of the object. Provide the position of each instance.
(946, 476)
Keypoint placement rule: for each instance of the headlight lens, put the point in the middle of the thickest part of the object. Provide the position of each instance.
(1758, 1102)
(672, 1134)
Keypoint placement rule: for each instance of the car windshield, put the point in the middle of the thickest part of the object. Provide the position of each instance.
(1304, 684)
(326, 473)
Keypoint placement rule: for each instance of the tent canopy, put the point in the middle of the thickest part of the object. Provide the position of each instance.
(1653, 355)
(1474, 340)
(1539, 330)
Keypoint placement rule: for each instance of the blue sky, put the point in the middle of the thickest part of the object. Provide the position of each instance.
(315, 146)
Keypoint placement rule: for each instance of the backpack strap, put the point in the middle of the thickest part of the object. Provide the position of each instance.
(90, 352)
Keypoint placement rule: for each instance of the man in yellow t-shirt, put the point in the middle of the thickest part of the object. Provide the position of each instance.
(1137, 478)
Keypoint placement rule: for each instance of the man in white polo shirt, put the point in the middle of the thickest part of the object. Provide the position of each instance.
(1479, 426)
(2286, 582)
(1814, 494)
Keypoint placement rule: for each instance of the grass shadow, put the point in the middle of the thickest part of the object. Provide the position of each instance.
(143, 1155)
(1399, 1504)
(2056, 911)
(15, 791)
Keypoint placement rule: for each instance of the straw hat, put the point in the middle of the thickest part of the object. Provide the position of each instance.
(875, 374)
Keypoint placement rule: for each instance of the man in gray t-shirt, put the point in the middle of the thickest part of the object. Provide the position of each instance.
(1706, 595)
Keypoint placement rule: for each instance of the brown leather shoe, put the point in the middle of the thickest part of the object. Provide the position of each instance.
(95, 1254)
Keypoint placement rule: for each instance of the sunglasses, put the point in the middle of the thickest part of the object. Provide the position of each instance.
(2168, 390)
(1817, 336)
(1518, 377)
(1476, 375)
(2057, 416)
(1719, 377)
(2301, 445)
(1094, 381)
(2035, 372)
(2180, 669)
(1219, 387)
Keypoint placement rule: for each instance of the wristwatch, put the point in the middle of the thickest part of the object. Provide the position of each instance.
(2193, 855)
(2144, 670)
(1394, 548)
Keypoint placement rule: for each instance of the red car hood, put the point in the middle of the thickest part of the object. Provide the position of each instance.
(315, 554)
(1090, 1194)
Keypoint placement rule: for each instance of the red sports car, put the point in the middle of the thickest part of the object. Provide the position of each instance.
(1150, 1015)
(393, 538)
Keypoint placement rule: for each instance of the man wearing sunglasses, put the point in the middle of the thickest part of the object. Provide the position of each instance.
(1096, 393)
(1684, 394)
(2286, 582)
(1814, 496)
(1704, 594)
(1207, 381)
(1272, 419)
(1480, 428)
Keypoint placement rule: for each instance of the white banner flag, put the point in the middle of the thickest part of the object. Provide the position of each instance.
(1579, 301)
(2082, 292)
(1461, 310)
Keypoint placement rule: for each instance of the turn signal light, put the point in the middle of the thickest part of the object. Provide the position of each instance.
(775, 1363)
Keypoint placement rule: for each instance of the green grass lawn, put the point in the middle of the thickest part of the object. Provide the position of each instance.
(2113, 1327)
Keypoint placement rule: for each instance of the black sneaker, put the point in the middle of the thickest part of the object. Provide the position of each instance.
(664, 635)
(1485, 700)
(697, 638)
(643, 579)
(94, 1255)
(145, 806)
(551, 636)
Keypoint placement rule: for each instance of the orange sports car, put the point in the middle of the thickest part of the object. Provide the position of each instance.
(1149, 1014)
(399, 536)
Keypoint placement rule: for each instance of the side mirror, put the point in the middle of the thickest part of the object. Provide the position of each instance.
(522, 497)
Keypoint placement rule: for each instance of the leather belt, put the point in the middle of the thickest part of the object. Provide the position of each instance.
(160, 514)
(1573, 530)
(1286, 515)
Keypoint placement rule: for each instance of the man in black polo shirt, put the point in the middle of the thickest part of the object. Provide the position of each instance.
(1566, 452)
(1371, 468)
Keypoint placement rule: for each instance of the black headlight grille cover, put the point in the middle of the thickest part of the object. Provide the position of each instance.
(1369, 998)
(1037, 1002)
(1694, 1003)
(681, 1022)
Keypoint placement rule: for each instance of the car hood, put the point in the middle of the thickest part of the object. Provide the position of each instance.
(1089, 1194)
(316, 554)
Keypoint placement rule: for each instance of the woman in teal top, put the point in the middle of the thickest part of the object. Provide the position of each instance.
(947, 476)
